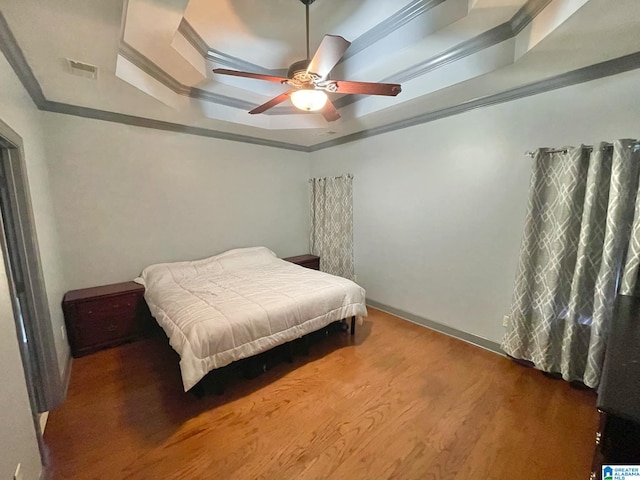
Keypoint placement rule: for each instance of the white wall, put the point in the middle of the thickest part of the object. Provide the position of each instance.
(18, 441)
(439, 208)
(127, 197)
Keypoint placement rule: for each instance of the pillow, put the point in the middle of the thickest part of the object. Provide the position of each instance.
(177, 271)
(245, 257)
(228, 261)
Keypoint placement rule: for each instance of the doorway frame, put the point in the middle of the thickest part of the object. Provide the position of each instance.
(45, 383)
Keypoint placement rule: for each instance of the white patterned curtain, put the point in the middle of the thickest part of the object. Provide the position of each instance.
(332, 224)
(581, 243)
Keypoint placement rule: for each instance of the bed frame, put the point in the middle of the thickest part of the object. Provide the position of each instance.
(252, 367)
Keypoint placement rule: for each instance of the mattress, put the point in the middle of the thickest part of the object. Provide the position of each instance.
(241, 303)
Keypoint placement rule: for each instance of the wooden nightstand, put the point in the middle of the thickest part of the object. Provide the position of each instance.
(103, 317)
(308, 261)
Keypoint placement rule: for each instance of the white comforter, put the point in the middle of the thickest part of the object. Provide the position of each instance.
(240, 303)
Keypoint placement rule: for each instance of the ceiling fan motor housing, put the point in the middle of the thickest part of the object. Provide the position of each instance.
(309, 79)
(297, 67)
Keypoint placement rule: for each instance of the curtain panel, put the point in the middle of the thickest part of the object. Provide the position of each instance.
(332, 224)
(581, 247)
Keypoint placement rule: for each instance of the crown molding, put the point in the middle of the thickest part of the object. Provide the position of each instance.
(403, 16)
(18, 62)
(416, 8)
(373, 35)
(574, 77)
(14, 55)
(507, 30)
(187, 31)
(157, 73)
(219, 57)
(150, 68)
(115, 117)
(147, 66)
(526, 14)
(474, 45)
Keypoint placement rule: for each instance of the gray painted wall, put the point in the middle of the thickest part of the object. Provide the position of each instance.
(127, 197)
(18, 441)
(439, 208)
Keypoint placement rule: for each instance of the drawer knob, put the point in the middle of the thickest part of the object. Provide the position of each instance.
(113, 327)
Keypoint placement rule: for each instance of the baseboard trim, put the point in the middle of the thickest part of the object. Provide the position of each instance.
(66, 376)
(42, 418)
(438, 327)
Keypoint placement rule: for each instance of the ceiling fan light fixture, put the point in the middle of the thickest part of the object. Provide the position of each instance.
(308, 99)
(309, 78)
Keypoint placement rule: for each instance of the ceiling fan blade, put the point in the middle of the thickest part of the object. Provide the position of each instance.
(329, 112)
(271, 103)
(257, 76)
(367, 88)
(329, 53)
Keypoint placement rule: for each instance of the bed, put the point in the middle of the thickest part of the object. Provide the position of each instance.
(241, 303)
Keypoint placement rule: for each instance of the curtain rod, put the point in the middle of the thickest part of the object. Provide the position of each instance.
(346, 175)
(635, 146)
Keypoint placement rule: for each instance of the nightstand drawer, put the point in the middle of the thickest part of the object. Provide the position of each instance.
(313, 264)
(106, 308)
(103, 331)
(106, 316)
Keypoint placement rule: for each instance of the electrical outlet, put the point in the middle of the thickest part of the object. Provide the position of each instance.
(505, 321)
(18, 474)
(355, 278)
(64, 332)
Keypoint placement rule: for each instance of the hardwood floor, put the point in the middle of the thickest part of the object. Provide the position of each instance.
(399, 401)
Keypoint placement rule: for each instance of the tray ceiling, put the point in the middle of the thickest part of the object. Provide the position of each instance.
(155, 58)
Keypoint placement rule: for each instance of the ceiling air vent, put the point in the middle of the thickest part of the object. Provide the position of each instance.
(327, 133)
(82, 69)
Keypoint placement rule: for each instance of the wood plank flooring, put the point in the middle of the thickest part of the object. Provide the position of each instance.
(398, 401)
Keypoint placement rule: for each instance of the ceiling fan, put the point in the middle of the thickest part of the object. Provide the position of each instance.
(310, 79)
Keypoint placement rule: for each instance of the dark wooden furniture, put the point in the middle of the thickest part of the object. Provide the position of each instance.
(308, 261)
(618, 438)
(106, 316)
